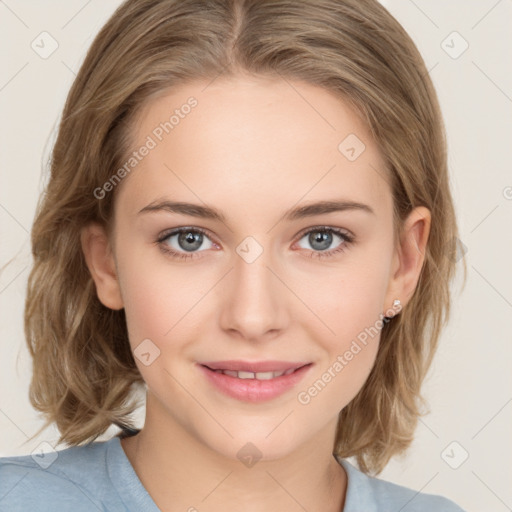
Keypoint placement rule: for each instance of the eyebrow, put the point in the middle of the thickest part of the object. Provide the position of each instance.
(300, 212)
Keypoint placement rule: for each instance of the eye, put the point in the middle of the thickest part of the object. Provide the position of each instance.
(321, 238)
(188, 240)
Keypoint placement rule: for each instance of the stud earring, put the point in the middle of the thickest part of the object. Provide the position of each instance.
(396, 303)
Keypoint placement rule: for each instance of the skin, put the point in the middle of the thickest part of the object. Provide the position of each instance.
(252, 148)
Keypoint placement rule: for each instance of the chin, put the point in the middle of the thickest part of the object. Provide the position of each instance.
(254, 447)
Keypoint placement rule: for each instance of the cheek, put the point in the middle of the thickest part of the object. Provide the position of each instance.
(146, 304)
(348, 298)
(152, 298)
(350, 356)
(162, 302)
(349, 304)
(157, 322)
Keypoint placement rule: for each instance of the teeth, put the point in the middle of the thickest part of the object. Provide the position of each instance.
(246, 375)
(257, 376)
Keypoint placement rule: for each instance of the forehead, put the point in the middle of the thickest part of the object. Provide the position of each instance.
(253, 140)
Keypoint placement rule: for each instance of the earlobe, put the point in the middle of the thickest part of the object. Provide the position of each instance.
(100, 262)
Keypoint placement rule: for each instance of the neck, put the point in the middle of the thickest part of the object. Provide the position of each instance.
(181, 473)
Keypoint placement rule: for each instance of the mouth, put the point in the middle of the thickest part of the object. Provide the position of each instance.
(265, 382)
(261, 370)
(241, 374)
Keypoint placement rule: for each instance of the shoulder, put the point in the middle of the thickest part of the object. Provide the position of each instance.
(389, 495)
(71, 479)
(370, 493)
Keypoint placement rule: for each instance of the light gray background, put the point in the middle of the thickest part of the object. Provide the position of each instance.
(469, 386)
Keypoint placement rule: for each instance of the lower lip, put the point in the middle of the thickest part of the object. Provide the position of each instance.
(253, 390)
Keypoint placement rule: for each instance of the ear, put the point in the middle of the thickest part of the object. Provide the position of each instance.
(409, 257)
(100, 261)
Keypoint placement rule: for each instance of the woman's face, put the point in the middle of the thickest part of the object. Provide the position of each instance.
(262, 284)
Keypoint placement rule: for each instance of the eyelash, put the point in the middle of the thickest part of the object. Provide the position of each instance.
(347, 241)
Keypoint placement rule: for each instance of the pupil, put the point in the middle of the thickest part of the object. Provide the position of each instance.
(321, 237)
(190, 238)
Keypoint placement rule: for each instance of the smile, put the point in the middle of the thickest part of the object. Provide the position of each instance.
(258, 376)
(254, 386)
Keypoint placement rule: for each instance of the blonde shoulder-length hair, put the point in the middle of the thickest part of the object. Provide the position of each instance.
(84, 372)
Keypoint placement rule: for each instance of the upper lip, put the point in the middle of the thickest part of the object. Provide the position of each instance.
(254, 366)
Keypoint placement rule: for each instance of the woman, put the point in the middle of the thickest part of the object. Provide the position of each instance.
(249, 217)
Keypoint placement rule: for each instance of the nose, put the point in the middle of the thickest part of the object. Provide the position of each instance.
(254, 298)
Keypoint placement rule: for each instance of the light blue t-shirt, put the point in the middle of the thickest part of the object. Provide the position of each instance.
(99, 476)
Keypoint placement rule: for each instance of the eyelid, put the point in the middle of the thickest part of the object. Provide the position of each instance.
(323, 227)
(176, 231)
